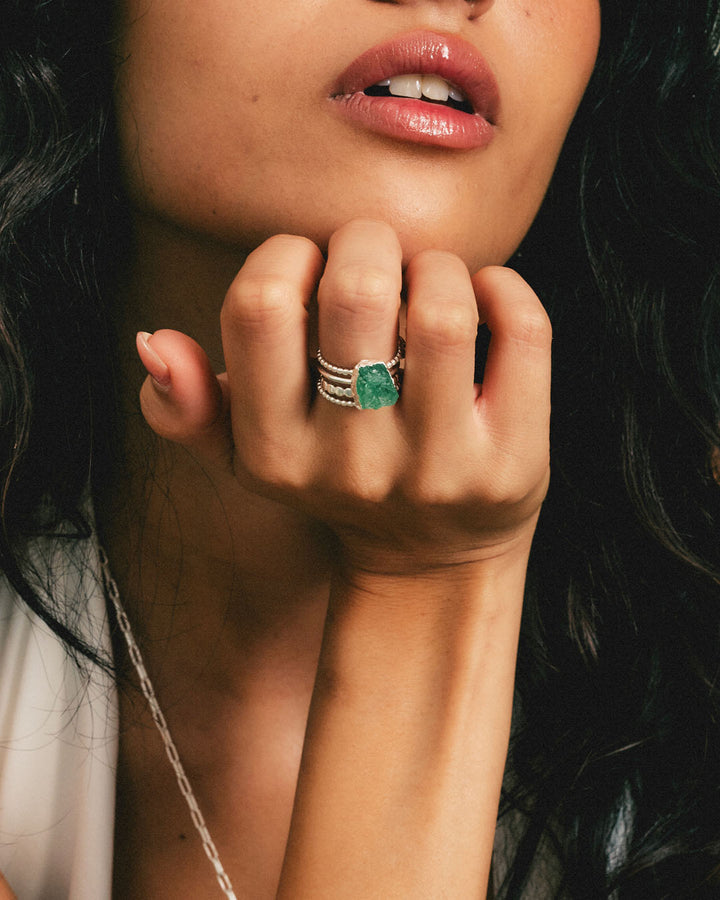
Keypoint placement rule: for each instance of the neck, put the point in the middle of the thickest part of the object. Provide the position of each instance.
(218, 583)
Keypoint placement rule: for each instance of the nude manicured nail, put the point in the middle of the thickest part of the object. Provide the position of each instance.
(156, 367)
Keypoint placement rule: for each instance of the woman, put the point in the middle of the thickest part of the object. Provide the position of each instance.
(328, 599)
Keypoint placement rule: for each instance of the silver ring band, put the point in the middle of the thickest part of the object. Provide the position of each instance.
(347, 373)
(370, 384)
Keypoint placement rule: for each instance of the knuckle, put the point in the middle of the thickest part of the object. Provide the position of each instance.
(257, 300)
(502, 279)
(449, 323)
(515, 482)
(532, 327)
(428, 493)
(504, 493)
(433, 482)
(374, 490)
(359, 481)
(267, 466)
(362, 289)
(364, 486)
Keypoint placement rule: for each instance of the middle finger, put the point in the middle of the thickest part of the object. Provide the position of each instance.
(359, 294)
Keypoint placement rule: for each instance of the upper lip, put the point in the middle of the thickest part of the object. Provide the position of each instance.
(426, 53)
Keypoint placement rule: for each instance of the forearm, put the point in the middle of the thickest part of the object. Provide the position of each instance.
(408, 728)
(407, 737)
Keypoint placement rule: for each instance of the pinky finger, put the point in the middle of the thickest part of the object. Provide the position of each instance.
(515, 398)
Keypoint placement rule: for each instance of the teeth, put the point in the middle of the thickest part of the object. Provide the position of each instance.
(406, 86)
(435, 88)
(416, 86)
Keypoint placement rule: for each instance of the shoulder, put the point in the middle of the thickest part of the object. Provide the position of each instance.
(39, 678)
(58, 727)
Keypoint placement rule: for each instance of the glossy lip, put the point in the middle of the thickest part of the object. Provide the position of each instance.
(422, 53)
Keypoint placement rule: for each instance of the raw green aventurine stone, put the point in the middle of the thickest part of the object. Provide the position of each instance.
(374, 387)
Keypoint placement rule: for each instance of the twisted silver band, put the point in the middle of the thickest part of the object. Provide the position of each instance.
(393, 363)
(370, 384)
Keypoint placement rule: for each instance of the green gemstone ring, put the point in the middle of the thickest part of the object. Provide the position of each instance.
(371, 384)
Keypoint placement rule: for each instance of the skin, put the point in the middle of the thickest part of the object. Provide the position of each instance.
(318, 590)
(213, 111)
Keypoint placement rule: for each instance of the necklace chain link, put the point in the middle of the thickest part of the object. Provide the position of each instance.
(158, 717)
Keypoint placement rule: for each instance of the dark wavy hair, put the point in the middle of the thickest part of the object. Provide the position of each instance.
(62, 231)
(617, 731)
(619, 666)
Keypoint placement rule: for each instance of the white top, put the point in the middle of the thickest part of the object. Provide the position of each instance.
(58, 739)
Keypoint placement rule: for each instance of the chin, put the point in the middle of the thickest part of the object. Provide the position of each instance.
(422, 221)
(416, 232)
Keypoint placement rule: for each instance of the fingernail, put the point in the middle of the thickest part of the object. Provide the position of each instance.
(156, 367)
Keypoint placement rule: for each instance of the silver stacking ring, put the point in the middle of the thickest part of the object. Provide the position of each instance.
(370, 384)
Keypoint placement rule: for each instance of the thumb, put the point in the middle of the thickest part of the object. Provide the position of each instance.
(182, 399)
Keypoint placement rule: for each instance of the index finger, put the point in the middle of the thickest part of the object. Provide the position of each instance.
(264, 329)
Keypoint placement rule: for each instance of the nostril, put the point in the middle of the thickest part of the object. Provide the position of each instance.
(478, 8)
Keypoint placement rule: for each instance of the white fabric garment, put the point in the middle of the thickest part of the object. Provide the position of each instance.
(58, 739)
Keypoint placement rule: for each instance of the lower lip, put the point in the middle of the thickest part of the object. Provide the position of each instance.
(416, 121)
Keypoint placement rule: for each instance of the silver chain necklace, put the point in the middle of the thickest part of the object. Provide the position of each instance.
(112, 591)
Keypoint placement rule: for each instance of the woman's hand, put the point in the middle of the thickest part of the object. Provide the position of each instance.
(434, 500)
(449, 474)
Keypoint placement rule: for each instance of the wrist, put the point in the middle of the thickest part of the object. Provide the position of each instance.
(411, 716)
(490, 576)
(424, 630)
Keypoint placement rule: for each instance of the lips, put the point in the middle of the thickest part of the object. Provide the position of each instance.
(407, 119)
